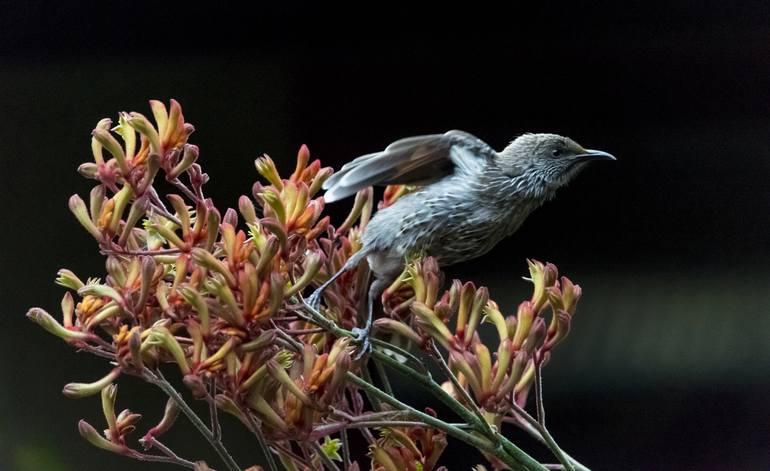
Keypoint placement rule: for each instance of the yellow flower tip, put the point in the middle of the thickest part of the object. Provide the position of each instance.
(525, 315)
(266, 167)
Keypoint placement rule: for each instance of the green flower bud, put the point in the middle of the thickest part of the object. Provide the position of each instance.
(96, 439)
(313, 262)
(212, 228)
(266, 168)
(493, 315)
(280, 375)
(78, 208)
(112, 145)
(194, 299)
(128, 135)
(47, 322)
(273, 201)
(397, 327)
(264, 340)
(109, 395)
(68, 279)
(189, 156)
(162, 337)
(524, 316)
(101, 291)
(135, 214)
(246, 207)
(80, 390)
(96, 147)
(160, 114)
(88, 170)
(205, 259)
(143, 127)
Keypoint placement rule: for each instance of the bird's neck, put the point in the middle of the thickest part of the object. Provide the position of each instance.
(529, 186)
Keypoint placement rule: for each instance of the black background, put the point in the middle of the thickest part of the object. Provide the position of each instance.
(666, 367)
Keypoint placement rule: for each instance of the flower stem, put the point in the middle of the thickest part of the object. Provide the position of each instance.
(523, 461)
(383, 375)
(345, 448)
(158, 380)
(539, 432)
(539, 393)
(254, 428)
(170, 456)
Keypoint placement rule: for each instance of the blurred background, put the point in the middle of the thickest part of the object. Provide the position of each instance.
(667, 364)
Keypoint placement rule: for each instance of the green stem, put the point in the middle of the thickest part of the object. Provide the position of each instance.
(345, 448)
(539, 394)
(505, 451)
(478, 442)
(541, 434)
(521, 459)
(383, 377)
(254, 427)
(428, 383)
(166, 387)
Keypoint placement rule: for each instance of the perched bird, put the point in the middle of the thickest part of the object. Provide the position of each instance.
(469, 197)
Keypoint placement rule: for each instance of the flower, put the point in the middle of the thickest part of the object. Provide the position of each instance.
(219, 295)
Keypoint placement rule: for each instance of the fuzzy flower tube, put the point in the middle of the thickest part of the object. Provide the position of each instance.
(209, 305)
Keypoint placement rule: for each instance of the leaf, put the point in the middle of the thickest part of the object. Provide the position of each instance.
(331, 448)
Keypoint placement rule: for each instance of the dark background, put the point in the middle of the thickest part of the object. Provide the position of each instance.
(667, 364)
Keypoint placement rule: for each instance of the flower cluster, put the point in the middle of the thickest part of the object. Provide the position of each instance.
(220, 296)
(408, 449)
(525, 340)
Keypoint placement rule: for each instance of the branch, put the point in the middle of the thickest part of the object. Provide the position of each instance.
(170, 456)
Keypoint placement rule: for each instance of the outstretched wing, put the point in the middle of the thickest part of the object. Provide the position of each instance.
(418, 160)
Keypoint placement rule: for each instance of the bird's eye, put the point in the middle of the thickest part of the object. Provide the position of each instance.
(556, 152)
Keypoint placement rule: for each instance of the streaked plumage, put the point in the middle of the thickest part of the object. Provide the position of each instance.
(469, 195)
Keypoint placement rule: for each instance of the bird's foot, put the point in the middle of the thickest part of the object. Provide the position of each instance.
(362, 337)
(314, 301)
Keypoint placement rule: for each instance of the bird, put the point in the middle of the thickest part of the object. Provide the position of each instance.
(467, 198)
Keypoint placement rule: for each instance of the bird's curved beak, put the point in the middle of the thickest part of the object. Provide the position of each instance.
(591, 154)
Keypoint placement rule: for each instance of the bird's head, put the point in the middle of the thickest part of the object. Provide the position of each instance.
(548, 160)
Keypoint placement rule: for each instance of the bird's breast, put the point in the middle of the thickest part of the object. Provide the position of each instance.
(447, 223)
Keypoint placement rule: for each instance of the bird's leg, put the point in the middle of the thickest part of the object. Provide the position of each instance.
(314, 301)
(363, 334)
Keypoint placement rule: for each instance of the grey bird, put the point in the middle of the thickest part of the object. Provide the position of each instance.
(469, 197)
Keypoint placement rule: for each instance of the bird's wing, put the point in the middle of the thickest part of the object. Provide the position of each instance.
(418, 160)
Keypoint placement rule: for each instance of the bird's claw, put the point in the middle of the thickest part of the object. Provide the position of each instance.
(314, 301)
(362, 338)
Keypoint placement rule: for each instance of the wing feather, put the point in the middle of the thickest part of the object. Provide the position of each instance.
(418, 160)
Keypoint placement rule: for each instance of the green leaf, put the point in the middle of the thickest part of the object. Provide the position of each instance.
(331, 448)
